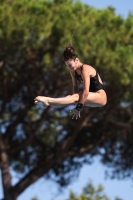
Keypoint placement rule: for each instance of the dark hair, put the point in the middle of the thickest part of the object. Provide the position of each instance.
(69, 53)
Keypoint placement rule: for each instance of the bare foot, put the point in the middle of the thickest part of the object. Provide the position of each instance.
(42, 99)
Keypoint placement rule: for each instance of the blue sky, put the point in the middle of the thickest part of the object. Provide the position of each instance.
(122, 7)
(47, 190)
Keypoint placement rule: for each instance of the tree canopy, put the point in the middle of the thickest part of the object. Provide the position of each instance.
(89, 192)
(39, 142)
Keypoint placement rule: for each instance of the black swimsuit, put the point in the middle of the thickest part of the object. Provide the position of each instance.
(95, 85)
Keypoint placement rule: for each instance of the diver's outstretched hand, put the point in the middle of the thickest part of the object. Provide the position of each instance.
(75, 113)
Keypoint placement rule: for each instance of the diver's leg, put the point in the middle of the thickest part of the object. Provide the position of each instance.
(48, 101)
(94, 99)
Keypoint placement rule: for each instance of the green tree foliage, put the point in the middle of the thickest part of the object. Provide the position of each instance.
(39, 142)
(34, 198)
(89, 192)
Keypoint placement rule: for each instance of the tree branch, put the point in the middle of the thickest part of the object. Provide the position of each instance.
(120, 124)
(27, 140)
(69, 141)
(34, 174)
(5, 171)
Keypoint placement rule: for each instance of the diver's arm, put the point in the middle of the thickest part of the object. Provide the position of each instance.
(74, 82)
(86, 84)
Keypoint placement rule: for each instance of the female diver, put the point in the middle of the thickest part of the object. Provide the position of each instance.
(93, 94)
